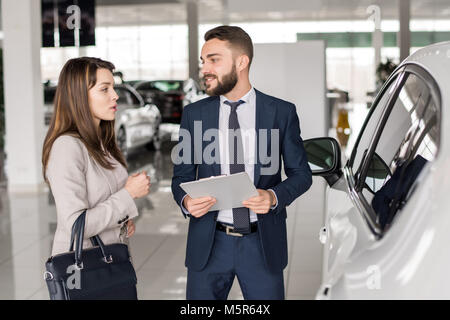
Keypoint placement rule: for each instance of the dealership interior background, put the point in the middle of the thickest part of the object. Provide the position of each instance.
(321, 55)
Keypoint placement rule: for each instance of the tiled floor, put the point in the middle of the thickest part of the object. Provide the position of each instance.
(28, 222)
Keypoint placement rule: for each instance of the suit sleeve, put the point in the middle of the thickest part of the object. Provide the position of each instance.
(66, 174)
(299, 177)
(184, 169)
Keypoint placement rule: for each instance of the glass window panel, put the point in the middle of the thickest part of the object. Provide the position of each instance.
(369, 129)
(408, 141)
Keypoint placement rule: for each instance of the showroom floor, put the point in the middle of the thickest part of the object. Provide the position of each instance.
(28, 222)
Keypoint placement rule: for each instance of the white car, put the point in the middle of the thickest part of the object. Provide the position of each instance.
(193, 92)
(387, 225)
(137, 123)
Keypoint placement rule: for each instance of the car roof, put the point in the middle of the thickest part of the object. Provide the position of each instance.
(435, 59)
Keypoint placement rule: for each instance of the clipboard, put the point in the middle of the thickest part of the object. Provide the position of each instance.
(229, 191)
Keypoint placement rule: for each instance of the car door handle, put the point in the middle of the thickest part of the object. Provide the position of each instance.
(323, 293)
(323, 235)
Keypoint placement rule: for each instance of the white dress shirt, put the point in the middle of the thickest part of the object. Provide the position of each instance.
(246, 113)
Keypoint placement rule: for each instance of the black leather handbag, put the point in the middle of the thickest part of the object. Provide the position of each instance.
(103, 272)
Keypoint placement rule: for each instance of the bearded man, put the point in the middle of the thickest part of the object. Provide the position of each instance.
(249, 242)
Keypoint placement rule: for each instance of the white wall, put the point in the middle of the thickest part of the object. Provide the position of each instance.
(296, 72)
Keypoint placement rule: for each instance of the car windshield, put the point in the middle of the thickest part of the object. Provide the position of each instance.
(126, 96)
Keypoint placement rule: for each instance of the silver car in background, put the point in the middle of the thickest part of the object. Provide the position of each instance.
(137, 123)
(386, 232)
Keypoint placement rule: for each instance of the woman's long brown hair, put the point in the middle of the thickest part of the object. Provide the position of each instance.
(72, 115)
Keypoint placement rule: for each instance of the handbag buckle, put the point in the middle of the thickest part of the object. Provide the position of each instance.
(108, 260)
(48, 276)
(79, 267)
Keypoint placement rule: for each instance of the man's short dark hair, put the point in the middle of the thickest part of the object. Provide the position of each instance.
(237, 38)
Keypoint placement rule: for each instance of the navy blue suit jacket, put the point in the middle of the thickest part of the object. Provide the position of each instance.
(271, 113)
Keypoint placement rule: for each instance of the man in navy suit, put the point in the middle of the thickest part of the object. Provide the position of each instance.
(248, 242)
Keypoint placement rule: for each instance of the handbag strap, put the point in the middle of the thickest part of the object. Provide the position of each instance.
(79, 239)
(77, 236)
(74, 232)
(75, 229)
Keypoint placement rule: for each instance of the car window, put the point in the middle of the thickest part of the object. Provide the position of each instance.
(126, 97)
(368, 130)
(377, 174)
(409, 140)
(134, 99)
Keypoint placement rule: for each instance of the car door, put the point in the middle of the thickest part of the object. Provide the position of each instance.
(380, 179)
(345, 228)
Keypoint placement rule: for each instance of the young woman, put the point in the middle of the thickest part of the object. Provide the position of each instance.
(81, 161)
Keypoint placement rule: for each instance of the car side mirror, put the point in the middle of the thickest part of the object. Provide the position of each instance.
(324, 158)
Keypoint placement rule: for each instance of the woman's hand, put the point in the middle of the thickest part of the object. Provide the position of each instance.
(138, 185)
(131, 228)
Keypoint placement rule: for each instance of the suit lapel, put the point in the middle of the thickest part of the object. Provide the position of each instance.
(265, 117)
(210, 120)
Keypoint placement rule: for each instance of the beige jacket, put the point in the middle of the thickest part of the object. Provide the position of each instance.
(78, 183)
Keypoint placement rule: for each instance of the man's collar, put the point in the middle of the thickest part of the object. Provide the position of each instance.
(246, 98)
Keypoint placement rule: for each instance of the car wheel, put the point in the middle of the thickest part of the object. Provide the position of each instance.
(122, 141)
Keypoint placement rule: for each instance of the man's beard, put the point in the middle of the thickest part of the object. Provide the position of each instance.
(226, 85)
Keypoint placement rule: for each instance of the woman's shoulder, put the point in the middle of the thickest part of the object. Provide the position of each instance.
(67, 141)
(68, 146)
(68, 154)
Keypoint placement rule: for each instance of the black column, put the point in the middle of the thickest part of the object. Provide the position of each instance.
(66, 35)
(48, 23)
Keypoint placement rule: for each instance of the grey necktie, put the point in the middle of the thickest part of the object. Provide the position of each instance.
(241, 216)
